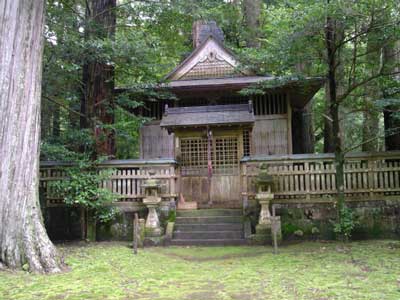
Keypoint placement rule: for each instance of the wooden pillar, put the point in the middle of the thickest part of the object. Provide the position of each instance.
(289, 124)
(209, 163)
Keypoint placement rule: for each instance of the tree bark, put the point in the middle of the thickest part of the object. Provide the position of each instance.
(391, 113)
(23, 238)
(251, 12)
(370, 128)
(303, 135)
(98, 78)
(303, 130)
(338, 71)
(330, 40)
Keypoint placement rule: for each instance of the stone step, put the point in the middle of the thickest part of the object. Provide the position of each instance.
(209, 212)
(208, 220)
(208, 235)
(208, 227)
(209, 242)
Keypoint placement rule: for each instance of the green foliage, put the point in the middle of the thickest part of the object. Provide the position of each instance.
(346, 223)
(288, 229)
(171, 216)
(83, 187)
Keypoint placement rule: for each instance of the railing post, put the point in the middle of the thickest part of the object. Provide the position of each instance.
(172, 187)
(307, 179)
(135, 232)
(244, 186)
(371, 181)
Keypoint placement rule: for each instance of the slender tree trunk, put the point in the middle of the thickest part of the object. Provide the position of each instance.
(330, 39)
(56, 122)
(328, 122)
(252, 11)
(23, 238)
(338, 69)
(98, 78)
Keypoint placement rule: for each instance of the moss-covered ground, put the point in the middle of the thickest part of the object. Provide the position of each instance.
(312, 270)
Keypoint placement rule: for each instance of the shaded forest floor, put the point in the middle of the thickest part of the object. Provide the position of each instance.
(312, 270)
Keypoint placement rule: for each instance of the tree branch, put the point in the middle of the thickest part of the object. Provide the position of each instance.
(396, 129)
(64, 106)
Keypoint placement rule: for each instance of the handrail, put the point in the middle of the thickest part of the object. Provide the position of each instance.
(126, 180)
(328, 156)
(114, 162)
(312, 177)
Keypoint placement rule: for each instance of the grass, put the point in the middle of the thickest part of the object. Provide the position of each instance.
(359, 270)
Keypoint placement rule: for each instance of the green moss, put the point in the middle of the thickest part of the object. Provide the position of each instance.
(171, 216)
(361, 270)
(288, 229)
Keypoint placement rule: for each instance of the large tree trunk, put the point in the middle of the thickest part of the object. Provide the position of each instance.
(98, 78)
(23, 238)
(303, 130)
(303, 135)
(391, 113)
(370, 128)
(251, 12)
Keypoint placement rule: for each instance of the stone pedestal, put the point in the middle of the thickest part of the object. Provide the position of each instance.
(264, 221)
(263, 233)
(152, 226)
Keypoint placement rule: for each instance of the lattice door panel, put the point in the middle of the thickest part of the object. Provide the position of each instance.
(226, 157)
(193, 158)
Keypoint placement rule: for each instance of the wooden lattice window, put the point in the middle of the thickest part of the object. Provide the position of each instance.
(270, 104)
(226, 159)
(193, 158)
(246, 142)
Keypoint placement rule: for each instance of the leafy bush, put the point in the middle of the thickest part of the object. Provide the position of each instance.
(346, 223)
(83, 187)
(288, 228)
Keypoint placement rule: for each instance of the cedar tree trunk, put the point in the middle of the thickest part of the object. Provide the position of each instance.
(98, 77)
(252, 10)
(370, 128)
(23, 238)
(391, 113)
(303, 135)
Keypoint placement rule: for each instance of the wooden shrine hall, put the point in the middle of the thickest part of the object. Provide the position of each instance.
(212, 127)
(206, 143)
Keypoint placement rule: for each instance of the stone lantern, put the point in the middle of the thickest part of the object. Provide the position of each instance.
(152, 199)
(265, 183)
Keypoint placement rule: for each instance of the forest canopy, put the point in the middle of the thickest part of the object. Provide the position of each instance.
(134, 44)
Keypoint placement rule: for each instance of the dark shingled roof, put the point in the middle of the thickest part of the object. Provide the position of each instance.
(217, 115)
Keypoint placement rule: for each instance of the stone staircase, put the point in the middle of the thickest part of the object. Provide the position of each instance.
(208, 227)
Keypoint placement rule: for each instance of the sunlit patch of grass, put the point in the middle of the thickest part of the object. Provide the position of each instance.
(359, 270)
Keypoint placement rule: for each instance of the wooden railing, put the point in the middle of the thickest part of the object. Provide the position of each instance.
(126, 179)
(311, 177)
(298, 178)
